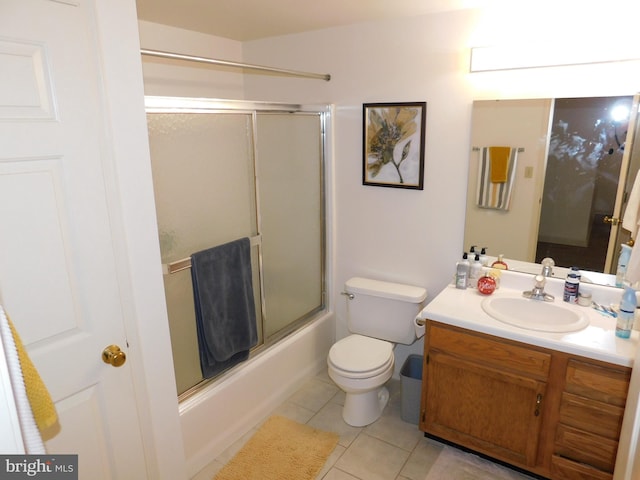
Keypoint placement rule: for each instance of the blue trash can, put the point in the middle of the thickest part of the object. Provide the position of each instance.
(411, 388)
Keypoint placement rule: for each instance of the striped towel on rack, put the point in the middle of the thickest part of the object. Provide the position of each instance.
(490, 194)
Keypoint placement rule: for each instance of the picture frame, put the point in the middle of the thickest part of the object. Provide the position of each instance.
(393, 144)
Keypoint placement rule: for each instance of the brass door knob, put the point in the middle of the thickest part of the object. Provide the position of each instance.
(114, 356)
(612, 220)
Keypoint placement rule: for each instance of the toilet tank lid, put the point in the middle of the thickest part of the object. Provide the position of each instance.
(378, 288)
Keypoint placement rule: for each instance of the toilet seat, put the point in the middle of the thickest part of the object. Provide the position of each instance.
(357, 356)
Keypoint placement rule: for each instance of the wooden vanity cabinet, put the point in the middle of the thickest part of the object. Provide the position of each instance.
(547, 412)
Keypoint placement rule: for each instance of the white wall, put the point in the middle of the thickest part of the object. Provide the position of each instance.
(405, 235)
(165, 77)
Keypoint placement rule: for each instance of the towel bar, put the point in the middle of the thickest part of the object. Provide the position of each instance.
(477, 149)
(183, 264)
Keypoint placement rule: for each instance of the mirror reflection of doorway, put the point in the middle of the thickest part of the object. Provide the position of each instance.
(583, 171)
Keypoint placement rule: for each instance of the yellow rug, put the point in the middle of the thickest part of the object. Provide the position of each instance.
(281, 450)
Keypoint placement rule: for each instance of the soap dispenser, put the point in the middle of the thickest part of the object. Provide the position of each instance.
(484, 260)
(475, 272)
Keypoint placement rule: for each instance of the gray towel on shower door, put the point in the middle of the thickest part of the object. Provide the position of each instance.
(224, 305)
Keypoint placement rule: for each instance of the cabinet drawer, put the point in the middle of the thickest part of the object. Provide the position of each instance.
(488, 351)
(605, 384)
(564, 469)
(586, 448)
(591, 415)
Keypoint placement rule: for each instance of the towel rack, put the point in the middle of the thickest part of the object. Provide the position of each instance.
(477, 149)
(183, 264)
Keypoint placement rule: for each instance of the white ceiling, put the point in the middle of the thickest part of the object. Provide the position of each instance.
(244, 20)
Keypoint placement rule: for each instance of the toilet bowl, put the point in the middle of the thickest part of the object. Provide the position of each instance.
(361, 366)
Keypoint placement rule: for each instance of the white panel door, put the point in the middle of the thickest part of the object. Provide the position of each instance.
(57, 267)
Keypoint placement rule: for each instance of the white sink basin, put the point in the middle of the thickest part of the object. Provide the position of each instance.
(535, 314)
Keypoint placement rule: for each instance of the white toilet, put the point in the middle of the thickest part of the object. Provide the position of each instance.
(379, 315)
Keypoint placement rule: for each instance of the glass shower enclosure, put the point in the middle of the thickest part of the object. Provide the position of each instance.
(224, 170)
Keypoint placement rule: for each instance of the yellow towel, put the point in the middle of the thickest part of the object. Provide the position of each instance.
(499, 163)
(44, 411)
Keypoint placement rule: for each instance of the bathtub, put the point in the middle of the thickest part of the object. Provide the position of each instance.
(225, 410)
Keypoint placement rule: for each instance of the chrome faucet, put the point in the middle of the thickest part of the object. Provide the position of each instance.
(538, 293)
(547, 266)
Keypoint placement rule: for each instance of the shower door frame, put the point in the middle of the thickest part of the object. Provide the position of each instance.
(185, 105)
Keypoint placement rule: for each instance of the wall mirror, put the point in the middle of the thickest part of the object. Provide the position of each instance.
(571, 167)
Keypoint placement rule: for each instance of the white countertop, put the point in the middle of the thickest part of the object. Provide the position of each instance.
(462, 308)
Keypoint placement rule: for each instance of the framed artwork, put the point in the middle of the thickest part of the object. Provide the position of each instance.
(393, 145)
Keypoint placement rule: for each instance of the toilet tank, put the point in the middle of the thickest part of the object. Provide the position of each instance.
(383, 310)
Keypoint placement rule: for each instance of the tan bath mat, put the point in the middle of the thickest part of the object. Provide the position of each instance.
(281, 450)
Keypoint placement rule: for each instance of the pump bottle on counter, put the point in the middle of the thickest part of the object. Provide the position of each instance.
(475, 272)
(462, 272)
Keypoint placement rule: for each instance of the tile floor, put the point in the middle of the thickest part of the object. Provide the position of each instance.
(388, 449)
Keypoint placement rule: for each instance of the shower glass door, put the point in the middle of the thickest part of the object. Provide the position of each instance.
(224, 171)
(291, 212)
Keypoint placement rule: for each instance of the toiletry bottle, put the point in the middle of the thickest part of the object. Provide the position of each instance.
(475, 272)
(623, 261)
(462, 272)
(484, 260)
(499, 263)
(572, 286)
(628, 304)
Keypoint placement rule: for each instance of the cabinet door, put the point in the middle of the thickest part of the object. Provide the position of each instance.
(495, 413)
